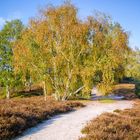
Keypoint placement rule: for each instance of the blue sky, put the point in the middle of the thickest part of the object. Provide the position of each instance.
(126, 12)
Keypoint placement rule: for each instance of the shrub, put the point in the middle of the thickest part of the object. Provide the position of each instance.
(137, 91)
(16, 115)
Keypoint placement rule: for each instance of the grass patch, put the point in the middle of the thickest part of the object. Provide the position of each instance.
(107, 101)
(16, 115)
(121, 125)
(117, 111)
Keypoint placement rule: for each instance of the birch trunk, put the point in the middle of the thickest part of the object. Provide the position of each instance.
(44, 90)
(57, 94)
(67, 93)
(7, 92)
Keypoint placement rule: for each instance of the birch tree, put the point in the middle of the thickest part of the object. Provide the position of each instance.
(66, 54)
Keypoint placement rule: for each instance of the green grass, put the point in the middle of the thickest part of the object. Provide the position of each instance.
(107, 101)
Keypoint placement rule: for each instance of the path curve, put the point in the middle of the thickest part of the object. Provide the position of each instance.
(68, 126)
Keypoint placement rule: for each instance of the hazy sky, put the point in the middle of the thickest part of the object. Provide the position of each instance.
(126, 12)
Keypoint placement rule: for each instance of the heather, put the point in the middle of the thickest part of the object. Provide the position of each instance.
(119, 125)
(16, 115)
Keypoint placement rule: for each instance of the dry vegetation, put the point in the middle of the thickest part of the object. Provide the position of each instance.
(120, 125)
(16, 115)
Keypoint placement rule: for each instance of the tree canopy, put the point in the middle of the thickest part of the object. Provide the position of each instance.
(67, 56)
(8, 35)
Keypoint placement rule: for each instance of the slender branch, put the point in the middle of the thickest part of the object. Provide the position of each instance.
(78, 89)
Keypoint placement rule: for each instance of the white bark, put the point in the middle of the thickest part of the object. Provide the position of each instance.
(78, 90)
(67, 93)
(7, 92)
(44, 90)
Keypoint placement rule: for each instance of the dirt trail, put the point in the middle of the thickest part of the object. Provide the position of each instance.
(68, 126)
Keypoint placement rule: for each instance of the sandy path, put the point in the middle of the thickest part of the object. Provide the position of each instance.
(68, 126)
